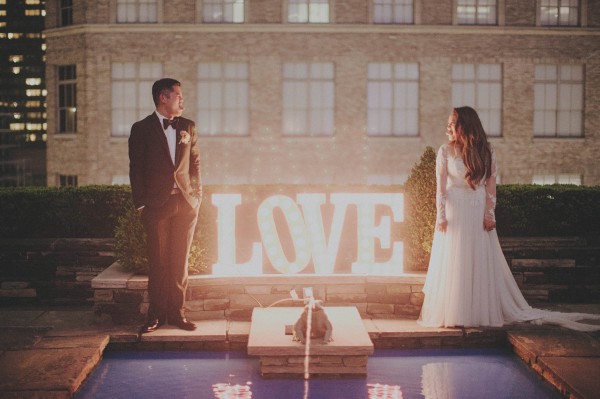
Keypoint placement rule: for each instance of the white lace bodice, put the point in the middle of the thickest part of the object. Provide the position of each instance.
(450, 174)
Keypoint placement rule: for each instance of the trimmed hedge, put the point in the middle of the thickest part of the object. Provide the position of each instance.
(553, 210)
(420, 211)
(97, 212)
(71, 212)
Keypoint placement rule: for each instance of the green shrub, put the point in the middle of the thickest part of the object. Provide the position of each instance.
(130, 242)
(104, 211)
(554, 210)
(420, 211)
(521, 210)
(70, 212)
(130, 246)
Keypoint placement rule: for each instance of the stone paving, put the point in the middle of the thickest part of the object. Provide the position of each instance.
(49, 353)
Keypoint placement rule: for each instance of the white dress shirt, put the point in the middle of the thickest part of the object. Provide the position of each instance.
(170, 134)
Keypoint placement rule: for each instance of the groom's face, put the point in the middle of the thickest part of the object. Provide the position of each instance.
(173, 102)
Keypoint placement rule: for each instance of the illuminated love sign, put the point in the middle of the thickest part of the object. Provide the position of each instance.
(311, 231)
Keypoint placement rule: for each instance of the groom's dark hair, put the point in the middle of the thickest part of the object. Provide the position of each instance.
(161, 86)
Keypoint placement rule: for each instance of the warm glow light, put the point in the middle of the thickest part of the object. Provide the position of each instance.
(226, 242)
(228, 391)
(302, 222)
(384, 391)
(33, 81)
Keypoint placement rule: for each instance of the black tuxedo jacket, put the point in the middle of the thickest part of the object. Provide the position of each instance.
(151, 171)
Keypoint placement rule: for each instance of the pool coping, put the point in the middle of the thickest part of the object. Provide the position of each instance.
(36, 334)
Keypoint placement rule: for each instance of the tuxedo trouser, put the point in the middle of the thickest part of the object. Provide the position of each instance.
(169, 231)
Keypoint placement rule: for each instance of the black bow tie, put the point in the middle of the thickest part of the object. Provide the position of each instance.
(167, 123)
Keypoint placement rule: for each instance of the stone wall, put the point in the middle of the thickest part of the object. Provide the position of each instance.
(546, 269)
(56, 272)
(122, 296)
(52, 272)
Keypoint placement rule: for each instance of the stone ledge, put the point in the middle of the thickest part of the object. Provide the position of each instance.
(116, 277)
(267, 333)
(346, 355)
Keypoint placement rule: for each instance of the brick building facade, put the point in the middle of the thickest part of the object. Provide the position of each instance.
(299, 91)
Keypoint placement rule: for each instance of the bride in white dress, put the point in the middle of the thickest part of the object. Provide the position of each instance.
(469, 282)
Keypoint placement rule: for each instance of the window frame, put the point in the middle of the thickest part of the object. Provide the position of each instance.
(221, 83)
(476, 21)
(311, 85)
(394, 80)
(143, 90)
(478, 80)
(67, 180)
(542, 21)
(543, 179)
(223, 5)
(560, 85)
(65, 12)
(287, 4)
(137, 7)
(394, 7)
(66, 98)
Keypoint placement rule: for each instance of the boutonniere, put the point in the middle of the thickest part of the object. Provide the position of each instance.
(185, 137)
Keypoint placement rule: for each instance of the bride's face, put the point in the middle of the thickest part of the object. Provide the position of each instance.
(451, 128)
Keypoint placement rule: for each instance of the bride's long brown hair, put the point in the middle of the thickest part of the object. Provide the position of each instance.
(476, 153)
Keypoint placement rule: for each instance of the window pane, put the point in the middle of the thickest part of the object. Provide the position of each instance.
(313, 11)
(480, 86)
(223, 98)
(131, 97)
(559, 99)
(308, 98)
(393, 11)
(392, 99)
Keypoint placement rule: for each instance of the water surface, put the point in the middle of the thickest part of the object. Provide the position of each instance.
(392, 374)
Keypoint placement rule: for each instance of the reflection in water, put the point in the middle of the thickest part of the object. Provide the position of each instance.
(228, 391)
(406, 374)
(436, 381)
(384, 391)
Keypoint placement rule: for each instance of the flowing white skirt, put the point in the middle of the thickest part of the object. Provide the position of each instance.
(469, 282)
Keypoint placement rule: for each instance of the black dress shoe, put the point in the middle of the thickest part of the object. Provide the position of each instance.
(184, 324)
(151, 325)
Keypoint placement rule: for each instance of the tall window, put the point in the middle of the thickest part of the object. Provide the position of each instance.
(393, 100)
(137, 10)
(393, 11)
(223, 99)
(132, 93)
(308, 11)
(67, 99)
(308, 99)
(223, 11)
(65, 14)
(476, 12)
(558, 101)
(480, 86)
(559, 12)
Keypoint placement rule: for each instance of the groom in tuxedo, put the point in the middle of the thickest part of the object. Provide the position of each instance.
(164, 170)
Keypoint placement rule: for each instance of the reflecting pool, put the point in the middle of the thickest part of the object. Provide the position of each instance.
(407, 374)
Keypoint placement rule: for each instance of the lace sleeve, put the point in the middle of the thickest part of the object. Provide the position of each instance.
(441, 177)
(490, 191)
